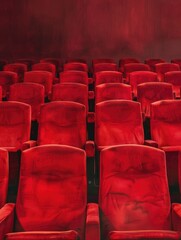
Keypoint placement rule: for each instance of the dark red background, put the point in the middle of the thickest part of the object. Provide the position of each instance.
(90, 28)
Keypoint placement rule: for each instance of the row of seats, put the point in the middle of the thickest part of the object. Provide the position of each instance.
(134, 201)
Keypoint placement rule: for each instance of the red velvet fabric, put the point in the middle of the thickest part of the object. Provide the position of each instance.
(30, 93)
(118, 122)
(44, 66)
(18, 68)
(102, 60)
(28, 61)
(98, 67)
(162, 68)
(152, 92)
(74, 92)
(15, 119)
(42, 77)
(108, 77)
(74, 76)
(62, 123)
(1, 93)
(75, 66)
(110, 91)
(174, 77)
(124, 61)
(52, 190)
(177, 61)
(133, 191)
(133, 67)
(54, 61)
(152, 61)
(4, 176)
(7, 78)
(176, 216)
(138, 77)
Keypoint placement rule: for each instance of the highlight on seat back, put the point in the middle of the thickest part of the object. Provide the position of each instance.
(7, 78)
(152, 61)
(62, 122)
(98, 67)
(15, 119)
(124, 61)
(133, 192)
(133, 67)
(118, 122)
(110, 91)
(162, 68)
(75, 66)
(108, 77)
(74, 76)
(42, 77)
(45, 66)
(30, 93)
(151, 92)
(18, 68)
(52, 190)
(139, 77)
(174, 77)
(4, 176)
(27, 61)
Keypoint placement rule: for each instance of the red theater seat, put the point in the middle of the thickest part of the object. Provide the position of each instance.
(6, 80)
(133, 67)
(18, 68)
(42, 77)
(98, 67)
(52, 197)
(54, 61)
(27, 61)
(138, 77)
(177, 61)
(102, 60)
(124, 61)
(108, 77)
(2, 64)
(166, 131)
(162, 68)
(150, 92)
(75, 66)
(152, 61)
(174, 77)
(76, 60)
(74, 77)
(110, 91)
(134, 199)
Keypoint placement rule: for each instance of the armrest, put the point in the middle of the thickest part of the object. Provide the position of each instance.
(90, 148)
(90, 80)
(91, 117)
(151, 143)
(6, 219)
(29, 144)
(92, 222)
(91, 95)
(176, 216)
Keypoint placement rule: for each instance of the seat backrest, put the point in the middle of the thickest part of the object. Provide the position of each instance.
(44, 66)
(98, 67)
(30, 93)
(75, 66)
(165, 122)
(102, 60)
(52, 189)
(54, 61)
(152, 92)
(62, 122)
(118, 122)
(15, 121)
(110, 91)
(74, 92)
(18, 68)
(7, 78)
(124, 61)
(139, 77)
(133, 192)
(74, 77)
(108, 77)
(4, 173)
(152, 61)
(42, 77)
(28, 61)
(162, 68)
(174, 77)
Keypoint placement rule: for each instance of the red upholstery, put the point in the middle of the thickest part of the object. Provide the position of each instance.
(30, 93)
(74, 92)
(74, 76)
(42, 77)
(102, 60)
(110, 91)
(152, 61)
(4, 173)
(162, 68)
(108, 77)
(1, 93)
(29, 62)
(54, 61)
(75, 66)
(133, 191)
(152, 92)
(98, 67)
(138, 77)
(45, 66)
(174, 77)
(62, 123)
(177, 61)
(124, 61)
(79, 60)
(6, 79)
(18, 68)
(2, 63)
(133, 67)
(118, 122)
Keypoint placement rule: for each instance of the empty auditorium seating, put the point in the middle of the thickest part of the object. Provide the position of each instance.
(166, 132)
(28, 61)
(151, 92)
(138, 77)
(78, 60)
(162, 68)
(18, 68)
(74, 76)
(174, 77)
(6, 80)
(152, 61)
(110, 91)
(42, 77)
(54, 61)
(124, 61)
(52, 197)
(75, 66)
(108, 77)
(177, 61)
(98, 67)
(102, 60)
(134, 199)
(133, 67)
